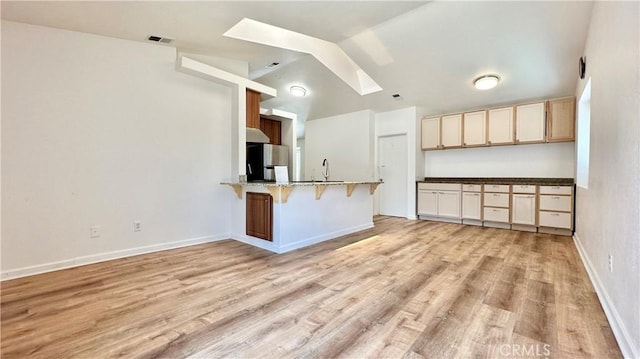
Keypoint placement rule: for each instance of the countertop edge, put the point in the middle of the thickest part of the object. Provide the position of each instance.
(298, 184)
(501, 180)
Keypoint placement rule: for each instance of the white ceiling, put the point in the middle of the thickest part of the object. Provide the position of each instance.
(428, 52)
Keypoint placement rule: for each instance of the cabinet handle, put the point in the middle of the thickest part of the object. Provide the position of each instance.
(555, 197)
(464, 144)
(556, 187)
(489, 142)
(495, 195)
(434, 192)
(495, 210)
(476, 194)
(441, 192)
(555, 214)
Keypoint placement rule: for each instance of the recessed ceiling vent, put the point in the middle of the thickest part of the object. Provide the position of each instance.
(272, 65)
(164, 40)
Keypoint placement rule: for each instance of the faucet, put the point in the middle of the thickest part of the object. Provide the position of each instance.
(325, 169)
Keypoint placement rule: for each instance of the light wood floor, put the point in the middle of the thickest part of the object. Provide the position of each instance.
(403, 289)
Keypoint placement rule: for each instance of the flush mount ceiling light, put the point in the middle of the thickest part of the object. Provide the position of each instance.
(486, 82)
(328, 53)
(298, 91)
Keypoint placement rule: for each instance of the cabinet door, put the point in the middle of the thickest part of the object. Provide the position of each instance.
(500, 125)
(431, 133)
(428, 203)
(449, 204)
(530, 123)
(471, 205)
(259, 215)
(451, 131)
(475, 128)
(561, 116)
(523, 209)
(253, 109)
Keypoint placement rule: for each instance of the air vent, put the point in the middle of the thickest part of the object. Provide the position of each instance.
(164, 40)
(396, 96)
(272, 65)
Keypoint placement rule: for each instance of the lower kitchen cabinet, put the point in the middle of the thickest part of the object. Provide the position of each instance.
(555, 214)
(259, 215)
(472, 204)
(523, 209)
(439, 200)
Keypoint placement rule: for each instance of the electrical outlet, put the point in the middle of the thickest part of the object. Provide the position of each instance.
(137, 226)
(94, 231)
(610, 263)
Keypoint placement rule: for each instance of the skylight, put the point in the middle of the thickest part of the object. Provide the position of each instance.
(328, 53)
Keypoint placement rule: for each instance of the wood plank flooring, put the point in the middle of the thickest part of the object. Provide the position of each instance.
(404, 289)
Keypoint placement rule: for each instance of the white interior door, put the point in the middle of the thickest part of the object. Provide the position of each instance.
(392, 160)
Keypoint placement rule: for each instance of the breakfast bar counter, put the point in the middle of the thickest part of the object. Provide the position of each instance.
(305, 213)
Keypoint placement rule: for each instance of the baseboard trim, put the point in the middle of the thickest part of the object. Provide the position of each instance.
(102, 257)
(324, 237)
(615, 321)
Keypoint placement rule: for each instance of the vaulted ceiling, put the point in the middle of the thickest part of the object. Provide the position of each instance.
(428, 52)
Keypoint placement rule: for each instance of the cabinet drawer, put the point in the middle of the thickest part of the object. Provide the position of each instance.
(496, 214)
(472, 187)
(496, 200)
(555, 189)
(555, 203)
(496, 188)
(523, 188)
(555, 220)
(439, 186)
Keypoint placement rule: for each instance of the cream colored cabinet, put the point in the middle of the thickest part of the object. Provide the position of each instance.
(496, 205)
(451, 134)
(474, 126)
(471, 203)
(428, 203)
(523, 209)
(500, 126)
(530, 123)
(449, 204)
(561, 119)
(430, 131)
(556, 208)
(439, 200)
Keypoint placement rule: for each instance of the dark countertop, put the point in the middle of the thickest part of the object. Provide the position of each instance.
(502, 180)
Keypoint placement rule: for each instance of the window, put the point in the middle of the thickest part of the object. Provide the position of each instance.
(583, 140)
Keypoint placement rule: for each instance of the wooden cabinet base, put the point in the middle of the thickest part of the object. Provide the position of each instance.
(260, 215)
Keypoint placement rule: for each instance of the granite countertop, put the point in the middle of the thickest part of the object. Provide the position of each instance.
(300, 183)
(502, 180)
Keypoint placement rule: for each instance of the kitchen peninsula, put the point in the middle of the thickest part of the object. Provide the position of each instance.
(305, 213)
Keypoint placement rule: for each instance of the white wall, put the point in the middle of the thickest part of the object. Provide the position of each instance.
(395, 123)
(347, 141)
(555, 160)
(608, 212)
(103, 131)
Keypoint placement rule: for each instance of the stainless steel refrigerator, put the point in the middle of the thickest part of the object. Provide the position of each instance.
(262, 158)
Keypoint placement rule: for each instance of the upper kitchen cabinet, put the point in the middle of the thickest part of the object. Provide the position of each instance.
(430, 133)
(253, 109)
(530, 123)
(475, 128)
(561, 119)
(451, 131)
(500, 125)
(273, 130)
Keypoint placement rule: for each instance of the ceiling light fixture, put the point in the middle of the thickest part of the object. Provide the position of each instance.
(486, 82)
(298, 91)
